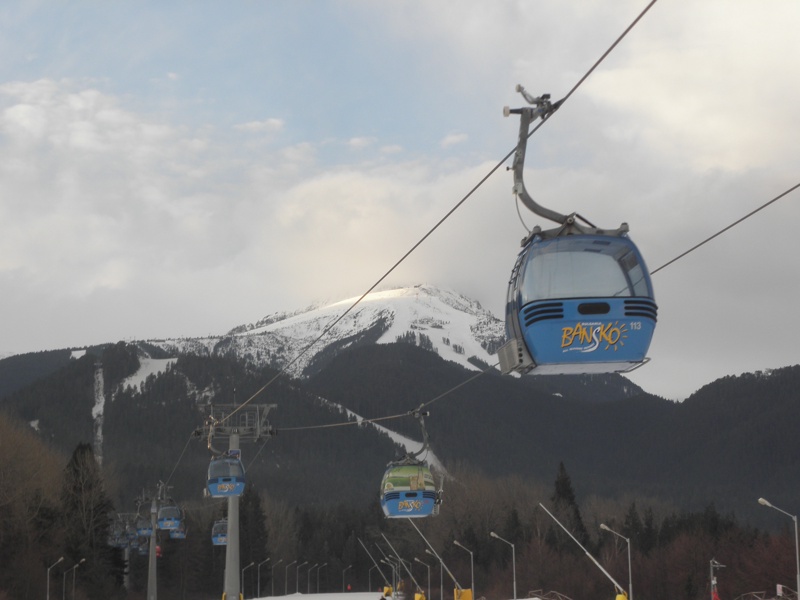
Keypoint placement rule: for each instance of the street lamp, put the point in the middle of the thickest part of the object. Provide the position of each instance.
(513, 559)
(64, 582)
(48, 575)
(243, 570)
(471, 565)
(427, 566)
(258, 570)
(318, 570)
(308, 578)
(286, 578)
(83, 560)
(272, 576)
(605, 527)
(393, 568)
(343, 572)
(297, 576)
(764, 502)
(441, 573)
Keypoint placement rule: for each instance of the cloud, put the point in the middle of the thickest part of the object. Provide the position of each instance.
(271, 125)
(454, 139)
(129, 209)
(359, 143)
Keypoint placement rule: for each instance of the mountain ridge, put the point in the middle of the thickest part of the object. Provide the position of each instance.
(457, 328)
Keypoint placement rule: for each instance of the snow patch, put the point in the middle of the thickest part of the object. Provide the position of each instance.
(410, 446)
(147, 367)
(440, 320)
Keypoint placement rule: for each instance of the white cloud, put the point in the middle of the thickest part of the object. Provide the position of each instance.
(454, 139)
(158, 201)
(270, 125)
(359, 143)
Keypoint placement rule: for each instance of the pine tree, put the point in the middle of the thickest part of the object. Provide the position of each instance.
(252, 527)
(566, 510)
(86, 515)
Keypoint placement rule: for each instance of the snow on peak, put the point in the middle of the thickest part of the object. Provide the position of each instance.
(440, 320)
(437, 319)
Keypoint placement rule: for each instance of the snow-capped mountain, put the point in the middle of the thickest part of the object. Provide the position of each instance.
(441, 320)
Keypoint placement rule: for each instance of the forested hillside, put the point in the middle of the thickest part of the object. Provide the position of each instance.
(680, 479)
(727, 442)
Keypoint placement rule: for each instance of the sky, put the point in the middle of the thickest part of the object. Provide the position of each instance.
(178, 169)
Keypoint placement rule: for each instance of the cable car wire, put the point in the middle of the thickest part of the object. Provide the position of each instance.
(175, 468)
(491, 172)
(466, 381)
(361, 421)
(731, 226)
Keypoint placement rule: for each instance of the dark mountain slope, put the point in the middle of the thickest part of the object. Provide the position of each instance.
(729, 443)
(21, 370)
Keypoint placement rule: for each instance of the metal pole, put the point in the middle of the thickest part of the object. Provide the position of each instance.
(286, 578)
(308, 578)
(513, 560)
(374, 562)
(83, 560)
(630, 572)
(48, 575)
(152, 564)
(449, 572)
(617, 586)
(797, 554)
(259, 576)
(441, 573)
(232, 563)
(318, 570)
(272, 576)
(243, 570)
(343, 572)
(401, 562)
(297, 577)
(471, 566)
(764, 502)
(427, 566)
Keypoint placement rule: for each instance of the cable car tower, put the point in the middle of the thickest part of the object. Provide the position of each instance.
(238, 423)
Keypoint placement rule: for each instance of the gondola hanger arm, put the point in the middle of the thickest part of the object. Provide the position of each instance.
(541, 107)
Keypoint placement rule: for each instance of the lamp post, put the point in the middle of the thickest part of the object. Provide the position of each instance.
(318, 570)
(471, 565)
(272, 576)
(243, 570)
(605, 527)
(297, 576)
(513, 559)
(713, 564)
(427, 566)
(286, 578)
(764, 502)
(83, 560)
(64, 582)
(393, 568)
(343, 572)
(308, 578)
(48, 575)
(258, 570)
(441, 573)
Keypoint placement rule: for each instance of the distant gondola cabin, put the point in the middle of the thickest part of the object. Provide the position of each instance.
(225, 477)
(408, 491)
